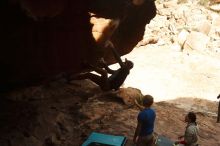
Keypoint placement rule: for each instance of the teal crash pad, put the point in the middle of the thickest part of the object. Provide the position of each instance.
(99, 139)
(164, 141)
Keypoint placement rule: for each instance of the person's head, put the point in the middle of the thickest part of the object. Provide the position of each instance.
(129, 64)
(147, 100)
(190, 117)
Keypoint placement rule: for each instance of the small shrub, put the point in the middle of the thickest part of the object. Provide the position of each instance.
(204, 2)
(182, 1)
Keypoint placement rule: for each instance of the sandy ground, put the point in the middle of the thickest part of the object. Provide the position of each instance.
(168, 74)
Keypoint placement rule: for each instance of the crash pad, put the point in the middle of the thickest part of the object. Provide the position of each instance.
(164, 141)
(100, 139)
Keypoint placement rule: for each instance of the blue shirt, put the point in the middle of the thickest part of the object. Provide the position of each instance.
(146, 117)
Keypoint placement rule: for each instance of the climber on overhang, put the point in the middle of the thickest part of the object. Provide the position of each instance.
(112, 82)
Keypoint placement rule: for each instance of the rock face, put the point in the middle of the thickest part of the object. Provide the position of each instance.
(40, 39)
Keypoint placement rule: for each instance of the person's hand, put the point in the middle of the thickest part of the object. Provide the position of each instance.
(218, 96)
(176, 142)
(180, 137)
(102, 62)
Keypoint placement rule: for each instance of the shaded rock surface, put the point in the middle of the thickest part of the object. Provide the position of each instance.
(63, 114)
(40, 40)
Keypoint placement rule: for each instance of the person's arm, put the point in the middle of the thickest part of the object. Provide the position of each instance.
(137, 131)
(104, 64)
(180, 141)
(116, 55)
(180, 137)
(109, 70)
(138, 105)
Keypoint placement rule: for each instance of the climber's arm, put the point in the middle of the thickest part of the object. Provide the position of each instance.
(117, 56)
(104, 64)
(109, 44)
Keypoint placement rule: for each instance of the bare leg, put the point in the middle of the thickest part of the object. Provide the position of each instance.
(99, 70)
(145, 141)
(99, 80)
(104, 73)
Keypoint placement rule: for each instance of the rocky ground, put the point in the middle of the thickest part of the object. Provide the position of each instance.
(62, 114)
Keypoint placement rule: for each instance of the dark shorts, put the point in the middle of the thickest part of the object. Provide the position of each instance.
(148, 140)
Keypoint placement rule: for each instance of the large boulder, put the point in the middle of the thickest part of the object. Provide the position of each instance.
(40, 39)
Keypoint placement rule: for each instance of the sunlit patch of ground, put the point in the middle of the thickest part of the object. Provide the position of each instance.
(167, 74)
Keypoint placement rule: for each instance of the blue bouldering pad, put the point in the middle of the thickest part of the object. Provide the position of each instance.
(99, 139)
(164, 141)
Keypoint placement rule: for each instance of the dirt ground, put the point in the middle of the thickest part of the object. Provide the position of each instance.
(169, 122)
(65, 114)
